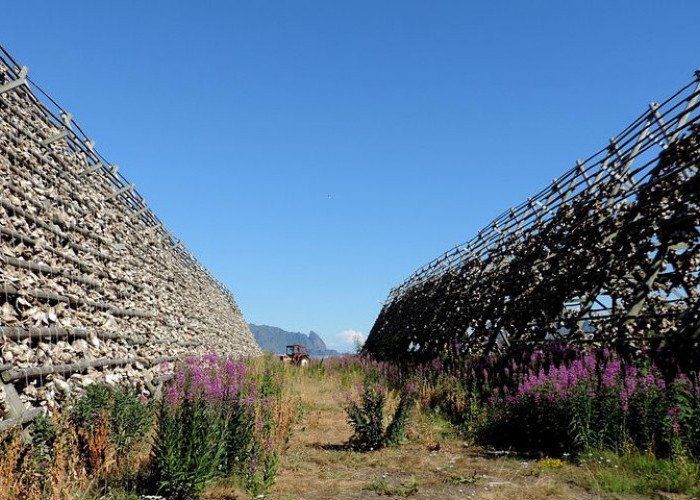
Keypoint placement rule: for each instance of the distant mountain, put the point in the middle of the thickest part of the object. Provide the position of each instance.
(273, 339)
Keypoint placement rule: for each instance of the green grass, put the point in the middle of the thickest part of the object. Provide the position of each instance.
(383, 487)
(434, 424)
(642, 474)
(465, 479)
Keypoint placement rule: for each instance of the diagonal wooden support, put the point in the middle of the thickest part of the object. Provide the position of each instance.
(94, 168)
(15, 407)
(121, 191)
(18, 82)
(692, 103)
(138, 212)
(50, 140)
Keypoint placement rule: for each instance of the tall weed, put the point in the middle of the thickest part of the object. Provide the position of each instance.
(219, 418)
(366, 415)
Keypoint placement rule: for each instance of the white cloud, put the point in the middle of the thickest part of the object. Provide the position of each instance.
(347, 340)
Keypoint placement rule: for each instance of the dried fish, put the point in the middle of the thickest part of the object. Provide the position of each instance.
(87, 281)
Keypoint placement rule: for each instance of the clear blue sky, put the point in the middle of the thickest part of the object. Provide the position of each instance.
(422, 121)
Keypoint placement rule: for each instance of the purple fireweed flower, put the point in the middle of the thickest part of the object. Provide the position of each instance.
(610, 374)
(211, 358)
(212, 379)
(647, 382)
(231, 368)
(250, 400)
(232, 390)
(172, 395)
(215, 388)
(624, 401)
(674, 413)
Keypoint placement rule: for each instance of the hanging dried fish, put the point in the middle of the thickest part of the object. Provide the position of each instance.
(89, 280)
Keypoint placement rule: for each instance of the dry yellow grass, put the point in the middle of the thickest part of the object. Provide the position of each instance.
(10, 480)
(317, 466)
(63, 478)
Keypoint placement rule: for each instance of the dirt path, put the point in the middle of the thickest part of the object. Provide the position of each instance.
(435, 464)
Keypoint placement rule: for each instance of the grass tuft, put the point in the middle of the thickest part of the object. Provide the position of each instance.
(638, 473)
(383, 487)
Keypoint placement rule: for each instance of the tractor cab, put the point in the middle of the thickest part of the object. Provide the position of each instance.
(296, 354)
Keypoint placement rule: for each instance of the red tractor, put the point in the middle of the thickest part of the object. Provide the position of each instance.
(296, 354)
